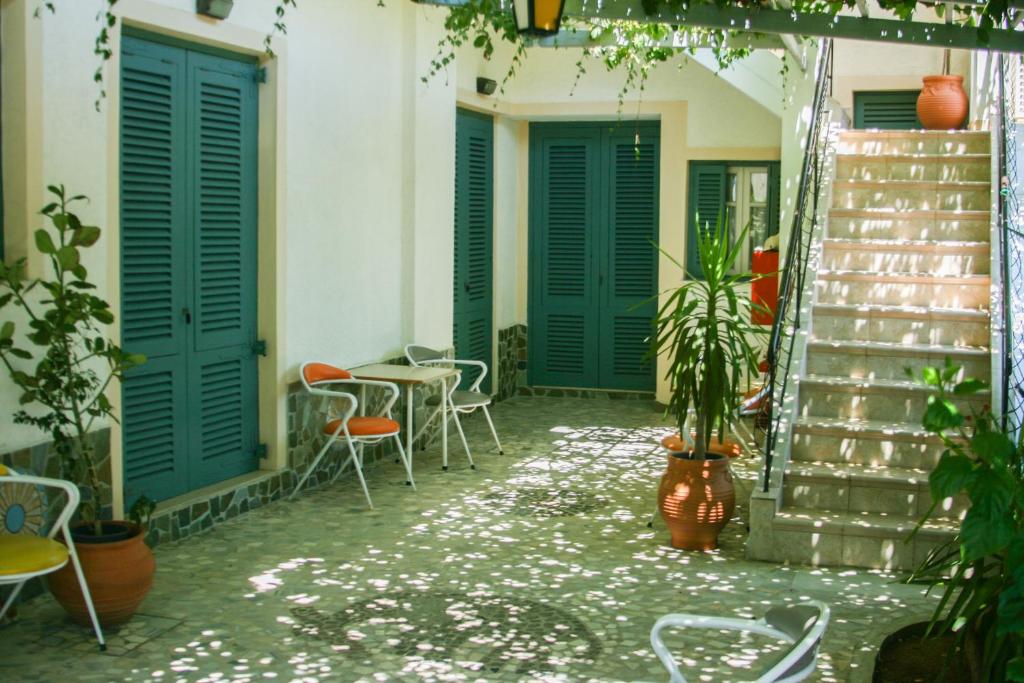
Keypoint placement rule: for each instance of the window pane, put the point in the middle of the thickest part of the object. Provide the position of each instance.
(731, 191)
(758, 226)
(759, 187)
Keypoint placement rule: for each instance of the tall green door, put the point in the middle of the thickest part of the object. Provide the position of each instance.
(593, 266)
(474, 220)
(188, 263)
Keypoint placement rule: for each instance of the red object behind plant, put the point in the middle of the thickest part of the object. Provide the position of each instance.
(765, 290)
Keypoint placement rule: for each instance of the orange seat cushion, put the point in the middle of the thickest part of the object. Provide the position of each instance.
(365, 426)
(23, 554)
(322, 372)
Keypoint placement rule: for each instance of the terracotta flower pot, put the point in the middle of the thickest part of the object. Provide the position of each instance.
(696, 497)
(942, 104)
(119, 575)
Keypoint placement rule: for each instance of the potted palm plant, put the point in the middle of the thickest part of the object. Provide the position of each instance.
(64, 395)
(704, 330)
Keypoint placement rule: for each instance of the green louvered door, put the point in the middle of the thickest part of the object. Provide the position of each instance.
(473, 281)
(593, 216)
(628, 264)
(188, 258)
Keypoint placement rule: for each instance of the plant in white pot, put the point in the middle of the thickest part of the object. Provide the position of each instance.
(64, 395)
(704, 331)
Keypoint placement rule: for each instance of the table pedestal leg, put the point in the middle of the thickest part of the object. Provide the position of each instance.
(444, 424)
(408, 429)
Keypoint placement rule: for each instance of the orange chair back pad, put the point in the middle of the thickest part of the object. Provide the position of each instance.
(365, 426)
(322, 372)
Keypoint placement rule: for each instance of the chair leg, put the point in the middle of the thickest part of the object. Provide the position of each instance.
(11, 599)
(406, 460)
(462, 435)
(312, 467)
(85, 593)
(358, 462)
(494, 432)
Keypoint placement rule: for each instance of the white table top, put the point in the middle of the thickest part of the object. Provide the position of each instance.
(402, 374)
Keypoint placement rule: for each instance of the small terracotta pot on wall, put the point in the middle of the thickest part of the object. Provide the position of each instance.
(119, 575)
(942, 104)
(696, 497)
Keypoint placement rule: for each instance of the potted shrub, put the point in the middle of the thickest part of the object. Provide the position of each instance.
(942, 104)
(981, 570)
(704, 329)
(64, 395)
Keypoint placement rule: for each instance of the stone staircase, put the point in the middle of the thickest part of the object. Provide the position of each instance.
(903, 281)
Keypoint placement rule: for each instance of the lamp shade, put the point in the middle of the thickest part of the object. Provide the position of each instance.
(538, 17)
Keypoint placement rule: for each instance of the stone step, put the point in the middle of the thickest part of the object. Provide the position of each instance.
(880, 399)
(889, 224)
(874, 443)
(897, 289)
(882, 360)
(846, 487)
(921, 195)
(900, 324)
(914, 142)
(945, 167)
(907, 256)
(879, 541)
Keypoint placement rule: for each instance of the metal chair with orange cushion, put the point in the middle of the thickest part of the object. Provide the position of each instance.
(24, 553)
(356, 430)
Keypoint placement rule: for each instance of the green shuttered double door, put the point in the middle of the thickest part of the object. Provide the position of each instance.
(474, 218)
(593, 265)
(188, 267)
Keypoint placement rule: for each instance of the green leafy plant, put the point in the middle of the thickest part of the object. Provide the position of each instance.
(65, 393)
(703, 327)
(981, 570)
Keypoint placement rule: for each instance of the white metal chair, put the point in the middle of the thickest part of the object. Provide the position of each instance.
(24, 554)
(356, 430)
(459, 401)
(802, 626)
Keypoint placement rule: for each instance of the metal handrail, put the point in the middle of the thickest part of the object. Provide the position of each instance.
(1011, 246)
(794, 269)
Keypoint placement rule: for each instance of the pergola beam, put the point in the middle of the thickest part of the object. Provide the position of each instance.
(581, 38)
(789, 22)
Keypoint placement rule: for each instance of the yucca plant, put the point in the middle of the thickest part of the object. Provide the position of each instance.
(980, 570)
(704, 328)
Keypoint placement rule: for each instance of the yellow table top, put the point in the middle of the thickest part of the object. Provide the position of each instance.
(402, 374)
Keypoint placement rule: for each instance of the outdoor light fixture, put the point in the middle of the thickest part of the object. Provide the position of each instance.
(486, 86)
(538, 17)
(218, 9)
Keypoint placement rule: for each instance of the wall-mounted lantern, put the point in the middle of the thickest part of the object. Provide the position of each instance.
(486, 86)
(218, 9)
(538, 17)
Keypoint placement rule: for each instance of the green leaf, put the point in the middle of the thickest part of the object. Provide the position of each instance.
(991, 492)
(941, 415)
(44, 243)
(20, 353)
(1011, 606)
(67, 257)
(7, 330)
(950, 476)
(103, 316)
(1015, 669)
(994, 448)
(86, 236)
(982, 536)
(969, 386)
(931, 377)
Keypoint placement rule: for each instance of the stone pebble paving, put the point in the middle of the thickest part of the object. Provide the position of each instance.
(538, 565)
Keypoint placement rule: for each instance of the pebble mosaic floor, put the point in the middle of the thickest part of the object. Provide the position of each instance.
(538, 565)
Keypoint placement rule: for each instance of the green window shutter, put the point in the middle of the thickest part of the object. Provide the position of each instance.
(774, 197)
(222, 374)
(706, 203)
(886, 109)
(153, 248)
(630, 259)
(474, 227)
(564, 211)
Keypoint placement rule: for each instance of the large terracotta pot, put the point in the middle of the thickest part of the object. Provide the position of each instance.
(119, 575)
(942, 104)
(696, 497)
